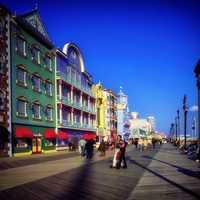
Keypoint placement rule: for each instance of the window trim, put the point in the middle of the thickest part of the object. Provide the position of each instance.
(36, 60)
(49, 68)
(33, 115)
(51, 85)
(51, 117)
(18, 82)
(23, 54)
(33, 87)
(23, 99)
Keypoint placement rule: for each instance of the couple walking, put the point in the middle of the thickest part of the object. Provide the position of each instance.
(119, 159)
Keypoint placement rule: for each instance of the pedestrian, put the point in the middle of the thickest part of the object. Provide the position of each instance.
(117, 153)
(154, 143)
(82, 143)
(198, 151)
(102, 148)
(122, 161)
(89, 147)
(136, 143)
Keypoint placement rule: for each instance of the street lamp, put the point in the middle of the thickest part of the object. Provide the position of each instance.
(185, 110)
(176, 128)
(178, 124)
(197, 73)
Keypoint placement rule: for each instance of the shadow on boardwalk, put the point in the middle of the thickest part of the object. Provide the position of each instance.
(195, 174)
(184, 189)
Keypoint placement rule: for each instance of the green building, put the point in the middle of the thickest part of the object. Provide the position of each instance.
(33, 86)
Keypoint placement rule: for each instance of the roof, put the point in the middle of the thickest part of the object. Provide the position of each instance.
(33, 24)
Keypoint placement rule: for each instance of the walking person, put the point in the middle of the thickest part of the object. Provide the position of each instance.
(89, 147)
(82, 143)
(122, 161)
(117, 153)
(102, 148)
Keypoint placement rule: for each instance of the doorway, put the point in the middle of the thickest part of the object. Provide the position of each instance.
(36, 145)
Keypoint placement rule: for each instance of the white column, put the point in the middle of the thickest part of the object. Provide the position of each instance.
(89, 120)
(81, 118)
(72, 94)
(72, 116)
(81, 97)
(60, 89)
(60, 113)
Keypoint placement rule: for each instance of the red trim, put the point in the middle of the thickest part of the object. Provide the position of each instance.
(23, 132)
(63, 135)
(88, 136)
(49, 134)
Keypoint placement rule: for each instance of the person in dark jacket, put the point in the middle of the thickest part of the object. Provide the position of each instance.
(89, 147)
(122, 159)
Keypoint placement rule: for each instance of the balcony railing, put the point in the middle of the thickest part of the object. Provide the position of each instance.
(76, 84)
(77, 105)
(66, 100)
(66, 123)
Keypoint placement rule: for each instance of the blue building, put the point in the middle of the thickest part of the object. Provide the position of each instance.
(122, 114)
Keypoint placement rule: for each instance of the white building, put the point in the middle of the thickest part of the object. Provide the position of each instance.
(152, 121)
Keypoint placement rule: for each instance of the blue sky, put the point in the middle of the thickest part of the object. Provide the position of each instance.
(149, 47)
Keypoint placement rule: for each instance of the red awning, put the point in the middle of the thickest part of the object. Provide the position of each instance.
(49, 134)
(88, 136)
(63, 135)
(23, 132)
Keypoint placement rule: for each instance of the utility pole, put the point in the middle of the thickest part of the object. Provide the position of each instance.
(185, 110)
(178, 125)
(197, 74)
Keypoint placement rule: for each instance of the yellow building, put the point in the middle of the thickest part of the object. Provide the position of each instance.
(101, 121)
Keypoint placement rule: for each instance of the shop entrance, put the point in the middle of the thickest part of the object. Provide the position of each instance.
(36, 145)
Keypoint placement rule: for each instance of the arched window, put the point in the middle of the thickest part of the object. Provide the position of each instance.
(48, 87)
(36, 110)
(2, 100)
(21, 75)
(36, 81)
(74, 58)
(49, 112)
(21, 105)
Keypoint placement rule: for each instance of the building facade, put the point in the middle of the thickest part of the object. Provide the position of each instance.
(122, 114)
(5, 111)
(110, 114)
(76, 113)
(139, 127)
(33, 86)
(100, 111)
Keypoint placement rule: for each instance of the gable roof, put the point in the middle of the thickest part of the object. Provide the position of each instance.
(32, 22)
(33, 18)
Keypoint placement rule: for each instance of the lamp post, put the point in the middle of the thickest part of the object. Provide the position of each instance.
(176, 129)
(197, 74)
(172, 131)
(178, 125)
(185, 110)
(193, 128)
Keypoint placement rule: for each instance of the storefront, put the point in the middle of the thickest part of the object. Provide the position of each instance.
(63, 137)
(23, 141)
(49, 144)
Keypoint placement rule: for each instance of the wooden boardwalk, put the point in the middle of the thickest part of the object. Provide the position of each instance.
(160, 174)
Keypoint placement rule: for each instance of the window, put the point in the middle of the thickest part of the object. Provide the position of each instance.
(36, 111)
(21, 46)
(21, 76)
(35, 52)
(1, 100)
(48, 63)
(48, 88)
(49, 113)
(22, 107)
(36, 80)
(1, 66)
(61, 63)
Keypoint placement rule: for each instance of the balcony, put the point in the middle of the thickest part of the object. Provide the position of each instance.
(77, 105)
(66, 100)
(66, 123)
